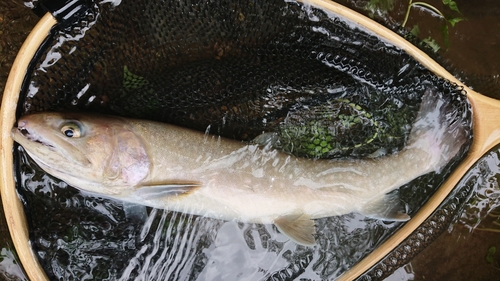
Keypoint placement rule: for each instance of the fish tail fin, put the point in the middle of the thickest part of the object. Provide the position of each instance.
(437, 129)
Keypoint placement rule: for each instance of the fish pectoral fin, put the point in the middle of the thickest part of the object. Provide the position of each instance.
(388, 208)
(149, 191)
(299, 227)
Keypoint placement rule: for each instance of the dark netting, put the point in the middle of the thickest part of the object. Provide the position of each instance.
(236, 69)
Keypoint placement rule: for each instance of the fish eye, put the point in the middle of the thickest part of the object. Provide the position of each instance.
(71, 130)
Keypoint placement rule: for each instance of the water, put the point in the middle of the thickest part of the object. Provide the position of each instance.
(15, 24)
(101, 242)
(473, 232)
(285, 259)
(10, 265)
(77, 235)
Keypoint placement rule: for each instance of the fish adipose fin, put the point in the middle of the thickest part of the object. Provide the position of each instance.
(388, 208)
(300, 228)
(265, 139)
(165, 189)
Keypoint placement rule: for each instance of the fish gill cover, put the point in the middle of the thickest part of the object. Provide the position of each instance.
(235, 69)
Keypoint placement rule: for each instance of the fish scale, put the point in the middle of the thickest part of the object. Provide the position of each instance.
(115, 37)
(169, 167)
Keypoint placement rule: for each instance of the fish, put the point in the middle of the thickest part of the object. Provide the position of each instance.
(169, 167)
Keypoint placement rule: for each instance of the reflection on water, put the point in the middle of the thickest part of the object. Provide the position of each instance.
(454, 254)
(171, 247)
(9, 266)
(485, 199)
(81, 237)
(404, 273)
(462, 251)
(109, 242)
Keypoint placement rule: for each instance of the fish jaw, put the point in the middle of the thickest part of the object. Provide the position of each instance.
(46, 154)
(43, 153)
(35, 144)
(106, 157)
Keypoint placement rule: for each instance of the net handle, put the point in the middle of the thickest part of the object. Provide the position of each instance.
(486, 113)
(13, 208)
(485, 137)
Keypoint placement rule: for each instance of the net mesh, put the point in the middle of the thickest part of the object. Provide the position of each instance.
(237, 69)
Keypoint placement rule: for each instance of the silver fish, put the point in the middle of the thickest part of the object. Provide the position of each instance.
(170, 167)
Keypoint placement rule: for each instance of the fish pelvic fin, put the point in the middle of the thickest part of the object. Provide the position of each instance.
(298, 227)
(387, 207)
(151, 191)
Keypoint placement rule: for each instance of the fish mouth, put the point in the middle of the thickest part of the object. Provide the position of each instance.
(27, 140)
(21, 132)
(36, 144)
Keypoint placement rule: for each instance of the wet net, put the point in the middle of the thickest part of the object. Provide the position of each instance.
(232, 68)
(237, 70)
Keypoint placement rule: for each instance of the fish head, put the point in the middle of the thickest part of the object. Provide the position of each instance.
(96, 153)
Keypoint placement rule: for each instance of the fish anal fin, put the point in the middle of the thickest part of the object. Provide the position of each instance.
(299, 227)
(387, 207)
(167, 189)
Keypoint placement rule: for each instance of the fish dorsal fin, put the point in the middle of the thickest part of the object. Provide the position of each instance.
(299, 227)
(387, 207)
(150, 191)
